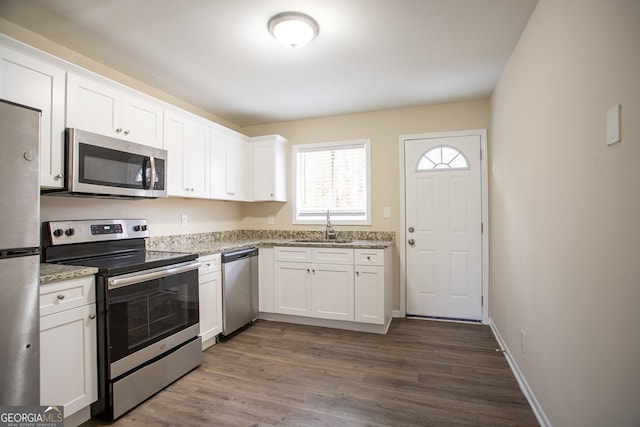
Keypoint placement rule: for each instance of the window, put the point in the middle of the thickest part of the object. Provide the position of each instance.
(335, 177)
(442, 157)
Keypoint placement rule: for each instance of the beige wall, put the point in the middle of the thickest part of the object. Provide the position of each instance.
(383, 128)
(565, 210)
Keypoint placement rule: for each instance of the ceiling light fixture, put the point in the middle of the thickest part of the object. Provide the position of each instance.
(293, 29)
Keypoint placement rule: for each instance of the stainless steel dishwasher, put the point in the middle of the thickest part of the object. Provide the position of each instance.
(239, 289)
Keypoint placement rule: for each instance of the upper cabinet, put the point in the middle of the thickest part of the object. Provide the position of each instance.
(232, 166)
(112, 111)
(29, 81)
(270, 168)
(188, 143)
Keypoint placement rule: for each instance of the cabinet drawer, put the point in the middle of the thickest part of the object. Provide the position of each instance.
(292, 254)
(209, 264)
(369, 256)
(332, 255)
(64, 295)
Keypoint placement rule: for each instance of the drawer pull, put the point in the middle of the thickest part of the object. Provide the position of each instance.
(357, 274)
(368, 258)
(61, 296)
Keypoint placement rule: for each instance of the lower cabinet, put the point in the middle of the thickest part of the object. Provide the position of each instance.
(352, 285)
(68, 346)
(210, 299)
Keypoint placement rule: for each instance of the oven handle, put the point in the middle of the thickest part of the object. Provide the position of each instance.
(139, 277)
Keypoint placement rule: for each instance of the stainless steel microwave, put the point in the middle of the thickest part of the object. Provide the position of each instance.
(101, 166)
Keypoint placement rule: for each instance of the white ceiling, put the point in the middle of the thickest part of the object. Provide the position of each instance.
(218, 54)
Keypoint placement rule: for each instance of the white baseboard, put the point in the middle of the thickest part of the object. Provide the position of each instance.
(395, 313)
(522, 382)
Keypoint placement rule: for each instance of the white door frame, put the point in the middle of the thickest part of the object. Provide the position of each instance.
(484, 165)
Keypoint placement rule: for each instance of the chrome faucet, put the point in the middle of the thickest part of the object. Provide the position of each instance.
(330, 233)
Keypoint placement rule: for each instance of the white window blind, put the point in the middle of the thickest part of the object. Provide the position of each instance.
(333, 177)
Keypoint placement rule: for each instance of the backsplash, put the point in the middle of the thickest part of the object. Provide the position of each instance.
(197, 239)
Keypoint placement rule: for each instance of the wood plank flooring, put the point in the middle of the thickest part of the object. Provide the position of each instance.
(422, 373)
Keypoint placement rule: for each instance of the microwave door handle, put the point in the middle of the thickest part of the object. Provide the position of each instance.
(145, 184)
(152, 178)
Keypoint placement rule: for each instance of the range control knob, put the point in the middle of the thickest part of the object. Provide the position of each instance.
(58, 232)
(137, 228)
(69, 231)
(144, 228)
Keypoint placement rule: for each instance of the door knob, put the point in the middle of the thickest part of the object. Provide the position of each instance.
(412, 242)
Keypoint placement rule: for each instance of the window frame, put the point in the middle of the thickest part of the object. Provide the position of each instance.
(335, 219)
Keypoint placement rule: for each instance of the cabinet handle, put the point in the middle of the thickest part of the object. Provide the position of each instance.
(118, 130)
(357, 274)
(368, 258)
(92, 316)
(61, 296)
(58, 177)
(313, 271)
(127, 132)
(308, 271)
(271, 194)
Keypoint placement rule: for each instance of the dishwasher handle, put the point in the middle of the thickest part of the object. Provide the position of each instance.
(238, 254)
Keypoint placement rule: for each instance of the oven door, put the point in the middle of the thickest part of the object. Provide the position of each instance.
(103, 165)
(149, 313)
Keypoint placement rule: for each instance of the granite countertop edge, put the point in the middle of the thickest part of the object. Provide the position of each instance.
(50, 273)
(219, 247)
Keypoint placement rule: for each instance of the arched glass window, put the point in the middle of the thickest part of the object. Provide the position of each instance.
(442, 157)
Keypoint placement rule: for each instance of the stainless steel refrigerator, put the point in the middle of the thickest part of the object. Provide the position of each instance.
(19, 255)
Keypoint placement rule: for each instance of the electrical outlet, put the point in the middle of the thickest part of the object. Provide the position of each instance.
(185, 220)
(523, 341)
(386, 212)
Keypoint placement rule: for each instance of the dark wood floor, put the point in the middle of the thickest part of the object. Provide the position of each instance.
(422, 373)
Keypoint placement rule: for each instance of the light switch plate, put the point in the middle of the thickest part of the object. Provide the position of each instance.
(184, 220)
(613, 124)
(387, 212)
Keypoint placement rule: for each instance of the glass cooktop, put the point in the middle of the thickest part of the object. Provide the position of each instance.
(129, 262)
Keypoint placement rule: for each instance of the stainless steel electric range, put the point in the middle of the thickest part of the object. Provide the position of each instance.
(147, 305)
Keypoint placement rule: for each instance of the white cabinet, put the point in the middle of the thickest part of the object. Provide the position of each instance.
(314, 282)
(210, 298)
(188, 144)
(109, 110)
(68, 347)
(232, 166)
(265, 280)
(29, 81)
(270, 168)
(370, 286)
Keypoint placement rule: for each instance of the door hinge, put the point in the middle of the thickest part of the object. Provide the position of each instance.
(482, 228)
(481, 154)
(482, 301)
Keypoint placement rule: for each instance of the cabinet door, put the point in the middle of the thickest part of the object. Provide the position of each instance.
(28, 81)
(332, 291)
(93, 106)
(197, 165)
(219, 165)
(142, 121)
(292, 286)
(68, 360)
(210, 306)
(265, 280)
(239, 169)
(270, 163)
(188, 165)
(264, 171)
(369, 294)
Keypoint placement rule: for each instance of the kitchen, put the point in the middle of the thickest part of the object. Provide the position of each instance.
(569, 342)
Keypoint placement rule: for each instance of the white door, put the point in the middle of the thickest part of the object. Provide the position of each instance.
(443, 196)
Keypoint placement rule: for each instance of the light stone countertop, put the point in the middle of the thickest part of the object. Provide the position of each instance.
(209, 248)
(204, 244)
(54, 272)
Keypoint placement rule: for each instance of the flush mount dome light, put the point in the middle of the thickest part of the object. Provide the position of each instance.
(293, 29)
